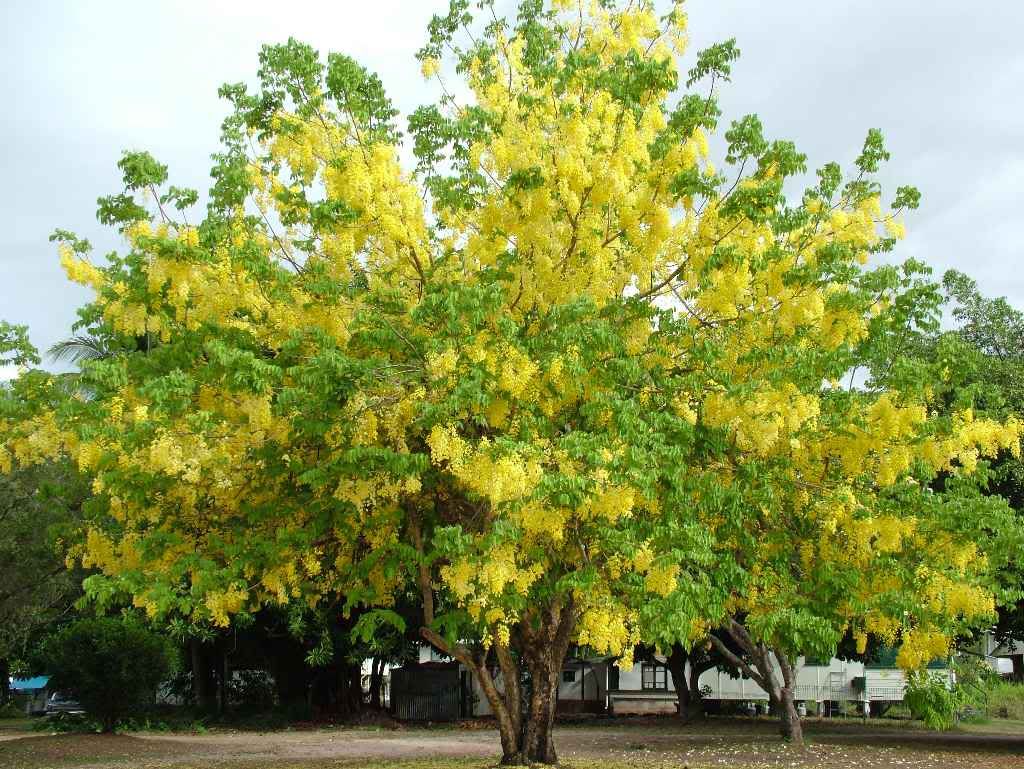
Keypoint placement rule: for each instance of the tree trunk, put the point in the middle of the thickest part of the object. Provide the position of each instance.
(5, 681)
(676, 663)
(792, 729)
(222, 678)
(201, 676)
(760, 669)
(696, 698)
(541, 638)
(545, 666)
(376, 681)
(525, 726)
(354, 703)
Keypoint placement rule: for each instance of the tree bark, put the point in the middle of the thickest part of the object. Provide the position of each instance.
(5, 681)
(544, 648)
(760, 669)
(376, 679)
(792, 728)
(539, 740)
(676, 663)
(201, 676)
(541, 639)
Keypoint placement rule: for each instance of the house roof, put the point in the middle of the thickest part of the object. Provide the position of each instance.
(39, 682)
(1010, 649)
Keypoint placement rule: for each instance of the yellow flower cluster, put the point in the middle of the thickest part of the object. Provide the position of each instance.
(482, 585)
(608, 628)
(765, 422)
(442, 365)
(496, 478)
(38, 439)
(222, 604)
(79, 270)
(920, 646)
(661, 579)
(609, 503)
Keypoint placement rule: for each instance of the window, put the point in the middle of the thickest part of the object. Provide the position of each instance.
(568, 676)
(653, 676)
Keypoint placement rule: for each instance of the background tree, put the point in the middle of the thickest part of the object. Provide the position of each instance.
(15, 347)
(974, 367)
(881, 554)
(40, 511)
(980, 364)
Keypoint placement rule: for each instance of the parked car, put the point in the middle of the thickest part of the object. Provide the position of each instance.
(59, 702)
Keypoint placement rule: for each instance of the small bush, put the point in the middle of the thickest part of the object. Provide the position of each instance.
(10, 710)
(930, 701)
(111, 667)
(251, 687)
(67, 722)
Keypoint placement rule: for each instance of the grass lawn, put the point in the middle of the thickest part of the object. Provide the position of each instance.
(992, 726)
(9, 725)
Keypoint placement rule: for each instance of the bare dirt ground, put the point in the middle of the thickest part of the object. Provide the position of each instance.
(633, 743)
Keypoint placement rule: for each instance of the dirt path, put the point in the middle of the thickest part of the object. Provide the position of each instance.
(726, 744)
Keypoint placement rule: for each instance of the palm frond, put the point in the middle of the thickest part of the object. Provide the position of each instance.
(78, 348)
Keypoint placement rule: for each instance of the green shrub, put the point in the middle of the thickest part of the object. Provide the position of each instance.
(66, 722)
(931, 701)
(1005, 700)
(112, 667)
(10, 710)
(975, 678)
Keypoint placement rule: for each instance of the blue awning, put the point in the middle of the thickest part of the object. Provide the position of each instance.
(22, 684)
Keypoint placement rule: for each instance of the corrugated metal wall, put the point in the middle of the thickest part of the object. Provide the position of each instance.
(426, 694)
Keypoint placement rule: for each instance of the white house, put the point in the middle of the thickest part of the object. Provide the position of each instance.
(648, 687)
(599, 685)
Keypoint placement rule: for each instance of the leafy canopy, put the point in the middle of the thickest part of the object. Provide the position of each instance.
(564, 367)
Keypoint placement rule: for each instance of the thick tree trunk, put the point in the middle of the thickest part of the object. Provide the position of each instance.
(545, 666)
(541, 639)
(525, 727)
(202, 688)
(676, 664)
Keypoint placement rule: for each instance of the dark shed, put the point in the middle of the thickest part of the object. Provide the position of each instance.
(431, 691)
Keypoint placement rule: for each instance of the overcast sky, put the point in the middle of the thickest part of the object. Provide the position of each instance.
(83, 81)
